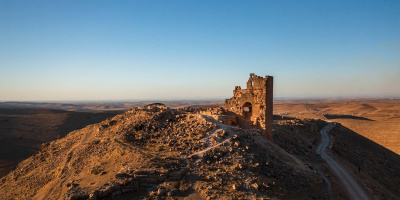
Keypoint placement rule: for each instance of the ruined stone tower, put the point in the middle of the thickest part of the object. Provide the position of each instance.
(254, 104)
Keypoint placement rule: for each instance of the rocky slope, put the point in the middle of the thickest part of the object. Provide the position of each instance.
(22, 131)
(175, 154)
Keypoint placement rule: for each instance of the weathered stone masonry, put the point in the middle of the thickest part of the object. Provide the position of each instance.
(254, 104)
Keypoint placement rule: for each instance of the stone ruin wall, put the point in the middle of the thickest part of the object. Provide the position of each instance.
(254, 104)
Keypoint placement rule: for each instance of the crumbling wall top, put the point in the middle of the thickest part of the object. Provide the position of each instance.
(255, 103)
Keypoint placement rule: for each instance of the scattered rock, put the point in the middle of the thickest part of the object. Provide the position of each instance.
(234, 186)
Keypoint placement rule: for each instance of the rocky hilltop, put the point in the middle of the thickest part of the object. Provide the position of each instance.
(160, 153)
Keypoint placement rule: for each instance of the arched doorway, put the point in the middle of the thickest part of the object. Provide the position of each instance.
(247, 111)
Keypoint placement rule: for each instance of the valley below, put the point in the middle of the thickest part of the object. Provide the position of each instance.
(189, 152)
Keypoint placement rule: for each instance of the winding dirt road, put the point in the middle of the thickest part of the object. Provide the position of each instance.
(355, 191)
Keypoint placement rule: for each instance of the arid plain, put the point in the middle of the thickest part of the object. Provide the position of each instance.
(187, 153)
(25, 126)
(375, 119)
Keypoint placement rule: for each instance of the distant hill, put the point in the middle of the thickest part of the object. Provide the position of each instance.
(97, 106)
(375, 119)
(144, 154)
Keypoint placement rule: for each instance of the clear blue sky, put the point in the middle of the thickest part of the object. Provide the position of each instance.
(189, 49)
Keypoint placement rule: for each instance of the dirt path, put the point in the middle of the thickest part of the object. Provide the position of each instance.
(58, 183)
(229, 135)
(355, 191)
(221, 127)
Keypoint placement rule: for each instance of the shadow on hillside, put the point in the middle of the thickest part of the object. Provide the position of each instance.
(281, 117)
(334, 116)
(79, 120)
(14, 150)
(375, 162)
(15, 142)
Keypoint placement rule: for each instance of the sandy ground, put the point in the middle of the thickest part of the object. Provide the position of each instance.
(377, 120)
(213, 160)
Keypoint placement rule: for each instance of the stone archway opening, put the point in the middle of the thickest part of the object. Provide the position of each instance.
(247, 111)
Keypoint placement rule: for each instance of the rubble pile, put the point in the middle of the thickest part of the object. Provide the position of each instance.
(153, 152)
(170, 130)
